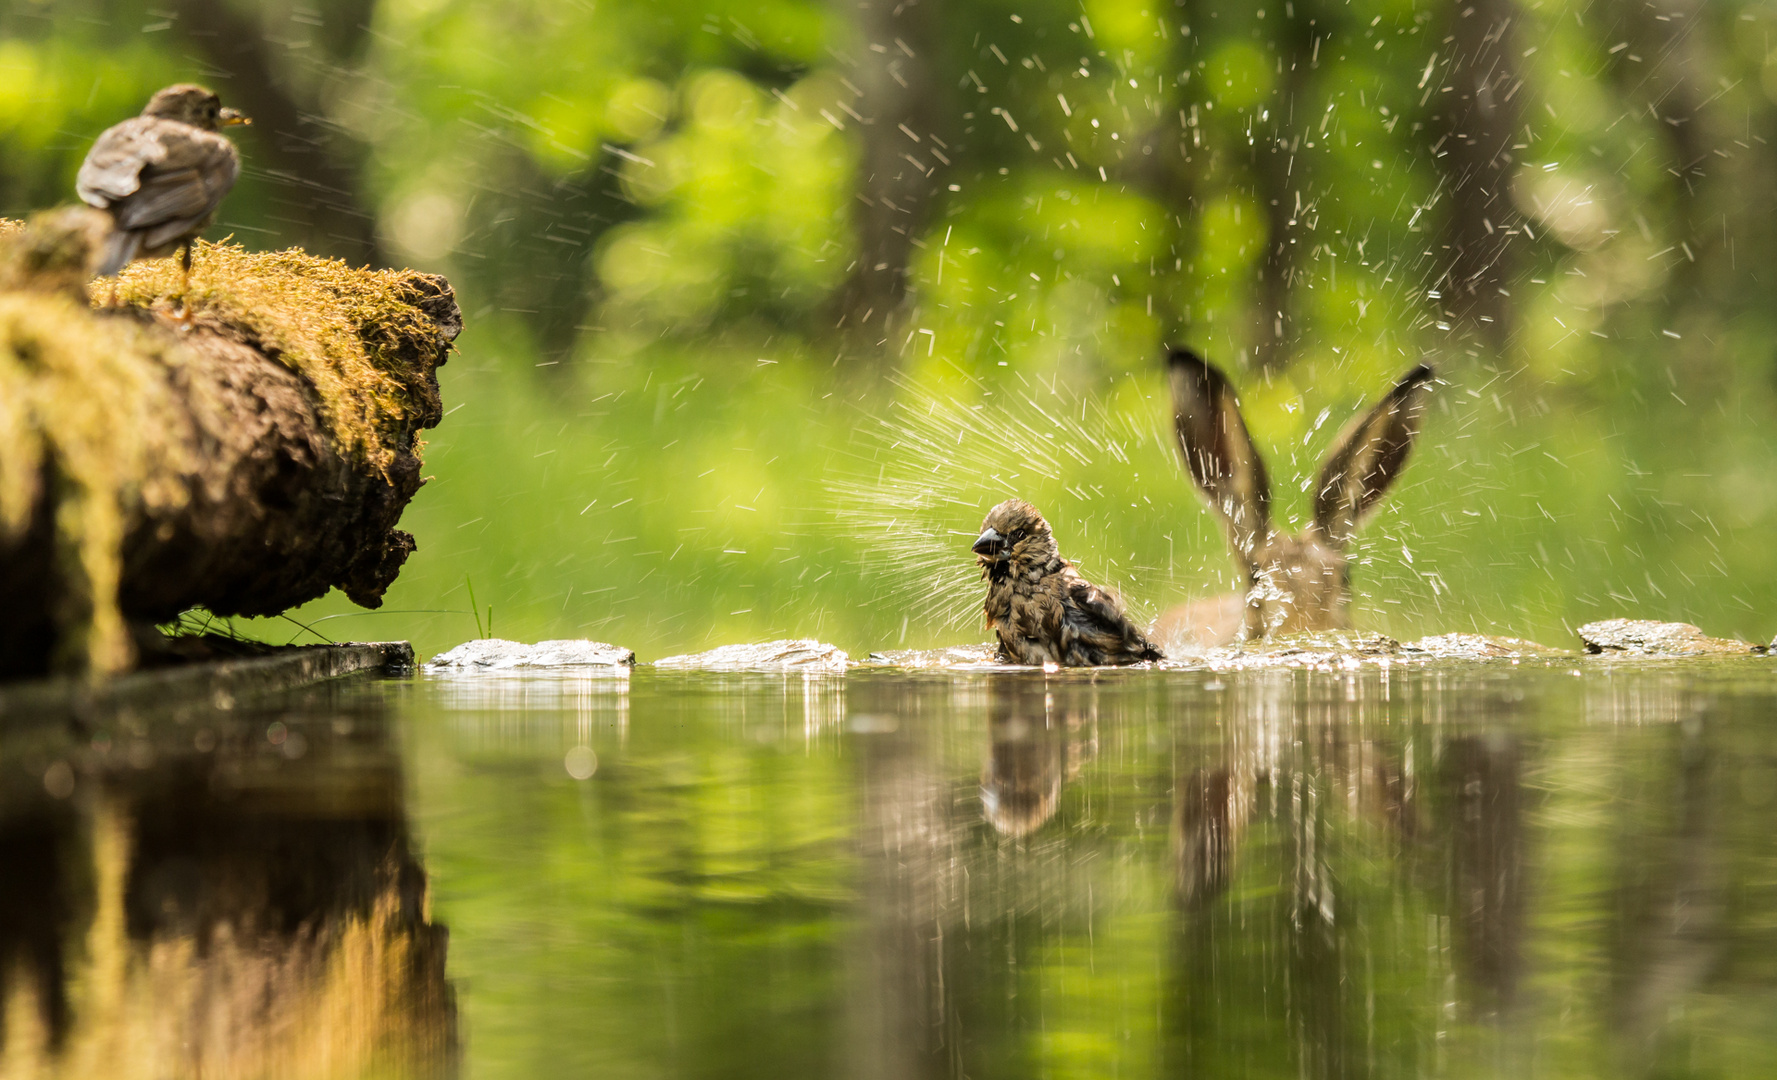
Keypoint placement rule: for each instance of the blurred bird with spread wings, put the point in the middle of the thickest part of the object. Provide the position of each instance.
(1040, 607)
(161, 175)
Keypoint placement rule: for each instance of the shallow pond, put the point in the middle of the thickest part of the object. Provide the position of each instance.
(1559, 867)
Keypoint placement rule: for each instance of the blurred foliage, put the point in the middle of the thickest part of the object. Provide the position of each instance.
(651, 213)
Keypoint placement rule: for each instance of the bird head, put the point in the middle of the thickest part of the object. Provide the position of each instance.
(1013, 532)
(191, 104)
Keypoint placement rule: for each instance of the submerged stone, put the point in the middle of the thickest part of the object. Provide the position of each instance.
(1479, 647)
(1319, 649)
(1646, 637)
(955, 658)
(799, 654)
(484, 654)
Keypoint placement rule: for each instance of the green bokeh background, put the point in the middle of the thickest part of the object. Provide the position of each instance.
(658, 437)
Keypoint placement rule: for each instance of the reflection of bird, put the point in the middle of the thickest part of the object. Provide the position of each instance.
(1043, 611)
(162, 175)
(1035, 745)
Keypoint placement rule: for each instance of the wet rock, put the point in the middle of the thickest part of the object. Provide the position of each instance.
(1325, 650)
(494, 654)
(800, 654)
(1317, 647)
(955, 658)
(1645, 637)
(1479, 647)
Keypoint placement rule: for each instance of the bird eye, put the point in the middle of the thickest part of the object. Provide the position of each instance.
(1017, 535)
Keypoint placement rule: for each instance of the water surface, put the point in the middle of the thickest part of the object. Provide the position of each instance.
(1560, 867)
(1485, 869)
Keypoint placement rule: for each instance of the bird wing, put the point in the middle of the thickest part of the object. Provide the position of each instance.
(158, 177)
(113, 167)
(1098, 609)
(1097, 621)
(167, 196)
(183, 189)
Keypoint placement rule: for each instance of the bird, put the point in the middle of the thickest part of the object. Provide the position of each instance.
(161, 175)
(1038, 605)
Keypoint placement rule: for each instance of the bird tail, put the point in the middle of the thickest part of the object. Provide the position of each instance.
(120, 248)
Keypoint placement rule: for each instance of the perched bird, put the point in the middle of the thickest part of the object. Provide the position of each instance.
(161, 175)
(1043, 611)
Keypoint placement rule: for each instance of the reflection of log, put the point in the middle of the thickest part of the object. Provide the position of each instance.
(1204, 824)
(1673, 903)
(34, 921)
(246, 462)
(250, 910)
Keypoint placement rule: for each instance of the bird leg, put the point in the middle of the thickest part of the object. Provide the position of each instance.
(182, 313)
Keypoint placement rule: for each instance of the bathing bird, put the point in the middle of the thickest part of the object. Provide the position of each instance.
(161, 175)
(1040, 607)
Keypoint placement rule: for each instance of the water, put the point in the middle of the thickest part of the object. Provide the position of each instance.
(1554, 867)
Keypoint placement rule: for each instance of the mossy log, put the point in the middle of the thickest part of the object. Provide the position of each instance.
(244, 445)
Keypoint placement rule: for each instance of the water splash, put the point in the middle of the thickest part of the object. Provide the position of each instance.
(923, 471)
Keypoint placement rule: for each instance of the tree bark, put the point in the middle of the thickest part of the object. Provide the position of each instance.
(1666, 73)
(225, 472)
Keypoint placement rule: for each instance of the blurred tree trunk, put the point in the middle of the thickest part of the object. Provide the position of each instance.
(539, 238)
(904, 113)
(1478, 120)
(1665, 73)
(1278, 183)
(1173, 158)
(315, 166)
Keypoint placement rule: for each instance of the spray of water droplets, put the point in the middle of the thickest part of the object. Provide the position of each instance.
(924, 471)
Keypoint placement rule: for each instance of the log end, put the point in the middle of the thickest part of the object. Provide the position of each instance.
(243, 446)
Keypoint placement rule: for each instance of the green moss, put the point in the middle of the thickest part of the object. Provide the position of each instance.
(87, 399)
(343, 330)
(85, 405)
(56, 254)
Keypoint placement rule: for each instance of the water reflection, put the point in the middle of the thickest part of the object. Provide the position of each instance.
(233, 894)
(1308, 874)
(1479, 868)
(1033, 748)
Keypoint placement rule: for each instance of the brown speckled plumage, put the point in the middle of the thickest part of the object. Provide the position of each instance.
(1040, 607)
(162, 174)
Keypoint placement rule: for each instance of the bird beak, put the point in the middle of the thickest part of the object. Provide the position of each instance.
(233, 117)
(990, 543)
